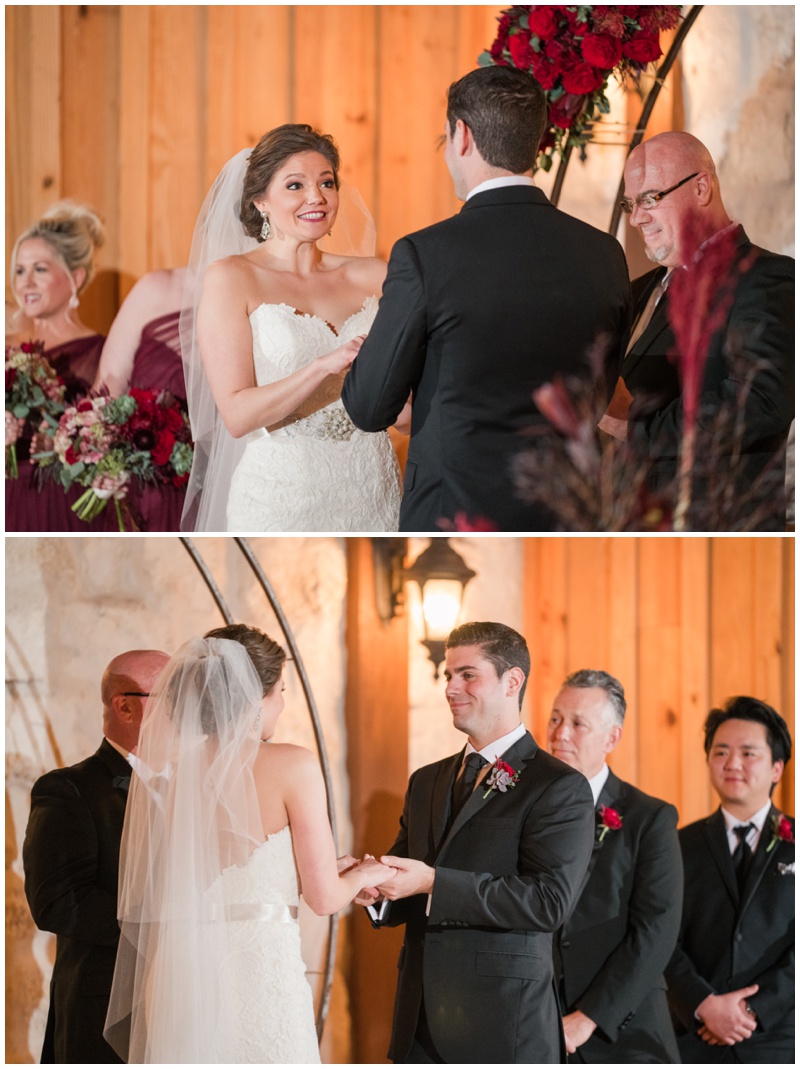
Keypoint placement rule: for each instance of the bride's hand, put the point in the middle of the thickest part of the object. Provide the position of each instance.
(340, 359)
(374, 872)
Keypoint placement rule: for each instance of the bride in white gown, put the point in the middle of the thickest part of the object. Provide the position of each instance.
(218, 827)
(278, 322)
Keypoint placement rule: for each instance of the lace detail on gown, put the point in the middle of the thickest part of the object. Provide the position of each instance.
(319, 473)
(264, 975)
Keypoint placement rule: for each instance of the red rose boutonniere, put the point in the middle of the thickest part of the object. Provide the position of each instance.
(781, 831)
(500, 778)
(610, 820)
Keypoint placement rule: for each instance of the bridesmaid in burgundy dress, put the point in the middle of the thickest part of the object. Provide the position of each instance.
(52, 262)
(143, 351)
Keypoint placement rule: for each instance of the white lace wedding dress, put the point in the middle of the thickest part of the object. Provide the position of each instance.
(319, 473)
(264, 975)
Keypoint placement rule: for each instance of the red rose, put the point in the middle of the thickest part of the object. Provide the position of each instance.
(499, 763)
(503, 26)
(521, 52)
(784, 830)
(582, 79)
(70, 456)
(172, 419)
(84, 406)
(543, 22)
(11, 377)
(179, 480)
(601, 51)
(643, 48)
(162, 450)
(543, 71)
(610, 818)
(564, 110)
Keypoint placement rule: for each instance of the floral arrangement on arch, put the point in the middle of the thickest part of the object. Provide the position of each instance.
(572, 51)
(101, 443)
(34, 398)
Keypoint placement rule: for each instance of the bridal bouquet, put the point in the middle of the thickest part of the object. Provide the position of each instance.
(34, 398)
(102, 443)
(572, 51)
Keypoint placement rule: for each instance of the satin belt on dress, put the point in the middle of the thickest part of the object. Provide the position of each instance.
(252, 911)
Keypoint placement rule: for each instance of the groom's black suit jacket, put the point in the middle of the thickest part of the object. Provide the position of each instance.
(760, 325)
(71, 861)
(613, 948)
(507, 872)
(477, 311)
(730, 940)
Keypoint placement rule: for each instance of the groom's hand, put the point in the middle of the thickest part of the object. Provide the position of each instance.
(413, 878)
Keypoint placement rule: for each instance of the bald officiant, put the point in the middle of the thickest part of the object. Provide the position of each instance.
(71, 861)
(611, 952)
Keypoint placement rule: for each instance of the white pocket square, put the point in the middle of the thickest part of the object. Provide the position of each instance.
(786, 869)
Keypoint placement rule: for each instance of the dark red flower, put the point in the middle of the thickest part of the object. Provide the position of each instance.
(655, 18)
(163, 448)
(179, 480)
(543, 71)
(71, 456)
(84, 406)
(462, 522)
(564, 111)
(543, 22)
(11, 377)
(610, 818)
(144, 439)
(519, 46)
(608, 20)
(784, 830)
(600, 50)
(643, 48)
(582, 79)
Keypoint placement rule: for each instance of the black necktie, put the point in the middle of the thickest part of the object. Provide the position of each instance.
(742, 853)
(466, 781)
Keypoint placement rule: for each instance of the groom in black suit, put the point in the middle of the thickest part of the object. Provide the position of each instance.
(613, 948)
(731, 978)
(479, 310)
(71, 861)
(493, 845)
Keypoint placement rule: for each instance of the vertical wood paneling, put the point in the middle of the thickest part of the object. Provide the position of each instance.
(620, 659)
(90, 131)
(587, 603)
(176, 131)
(695, 795)
(545, 626)
(33, 115)
(336, 88)
(134, 145)
(248, 80)
(785, 796)
(659, 666)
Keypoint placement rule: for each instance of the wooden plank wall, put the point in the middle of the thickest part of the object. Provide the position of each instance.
(684, 623)
(136, 108)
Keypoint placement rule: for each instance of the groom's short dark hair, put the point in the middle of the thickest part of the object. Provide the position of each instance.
(500, 644)
(506, 111)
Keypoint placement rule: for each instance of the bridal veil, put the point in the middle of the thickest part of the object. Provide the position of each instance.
(192, 813)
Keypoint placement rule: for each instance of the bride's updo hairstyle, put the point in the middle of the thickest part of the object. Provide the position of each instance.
(73, 231)
(269, 155)
(266, 656)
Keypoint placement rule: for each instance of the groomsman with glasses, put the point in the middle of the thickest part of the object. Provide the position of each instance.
(731, 978)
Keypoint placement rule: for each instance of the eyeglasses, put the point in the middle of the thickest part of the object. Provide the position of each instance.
(650, 200)
(134, 694)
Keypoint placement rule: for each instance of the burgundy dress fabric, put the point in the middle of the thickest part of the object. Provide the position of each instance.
(157, 366)
(34, 502)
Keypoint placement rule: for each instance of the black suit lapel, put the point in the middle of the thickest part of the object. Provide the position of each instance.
(717, 839)
(657, 325)
(523, 750)
(759, 861)
(611, 796)
(441, 799)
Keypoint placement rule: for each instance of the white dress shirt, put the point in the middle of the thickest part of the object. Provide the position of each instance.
(598, 782)
(502, 182)
(753, 836)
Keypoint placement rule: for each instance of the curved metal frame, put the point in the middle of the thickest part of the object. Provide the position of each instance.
(641, 126)
(269, 592)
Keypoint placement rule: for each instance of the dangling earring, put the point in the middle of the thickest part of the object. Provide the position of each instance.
(266, 229)
(74, 301)
(330, 232)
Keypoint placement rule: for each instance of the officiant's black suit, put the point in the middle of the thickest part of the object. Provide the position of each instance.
(477, 311)
(760, 323)
(507, 873)
(730, 940)
(613, 948)
(71, 861)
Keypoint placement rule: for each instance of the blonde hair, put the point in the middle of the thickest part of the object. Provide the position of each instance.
(73, 231)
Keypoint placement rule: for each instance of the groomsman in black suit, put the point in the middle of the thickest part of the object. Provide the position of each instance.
(71, 861)
(492, 848)
(612, 950)
(479, 310)
(673, 197)
(731, 979)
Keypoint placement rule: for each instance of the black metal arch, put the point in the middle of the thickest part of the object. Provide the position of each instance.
(269, 592)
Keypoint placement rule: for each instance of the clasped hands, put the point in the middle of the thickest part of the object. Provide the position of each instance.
(395, 877)
(727, 1019)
